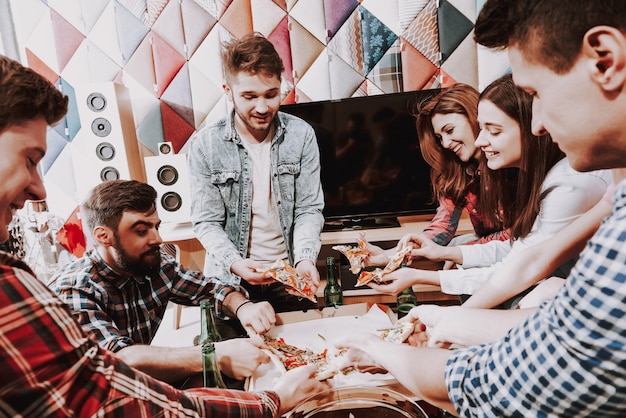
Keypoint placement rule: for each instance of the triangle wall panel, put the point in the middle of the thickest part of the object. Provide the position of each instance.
(344, 79)
(139, 8)
(40, 43)
(387, 73)
(305, 48)
(71, 12)
(26, 16)
(207, 57)
(310, 14)
(266, 15)
(167, 62)
(204, 94)
(408, 11)
(178, 95)
(141, 66)
(55, 143)
(315, 83)
(462, 65)
(40, 67)
(153, 10)
(175, 129)
(103, 37)
(423, 33)
(67, 38)
(417, 70)
(377, 39)
(131, 31)
(280, 39)
(237, 18)
(150, 130)
(385, 11)
(197, 23)
(169, 26)
(454, 27)
(336, 12)
(347, 42)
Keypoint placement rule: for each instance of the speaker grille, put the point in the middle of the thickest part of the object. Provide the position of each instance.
(109, 173)
(101, 127)
(105, 151)
(171, 201)
(96, 102)
(167, 175)
(165, 148)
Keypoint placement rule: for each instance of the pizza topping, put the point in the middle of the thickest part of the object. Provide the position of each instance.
(398, 333)
(289, 357)
(377, 275)
(355, 255)
(287, 275)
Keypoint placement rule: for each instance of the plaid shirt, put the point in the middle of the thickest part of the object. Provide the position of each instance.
(124, 310)
(569, 358)
(49, 368)
(444, 224)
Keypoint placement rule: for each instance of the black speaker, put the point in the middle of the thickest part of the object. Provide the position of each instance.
(168, 173)
(105, 148)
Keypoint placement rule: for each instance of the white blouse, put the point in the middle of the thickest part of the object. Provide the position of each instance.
(565, 195)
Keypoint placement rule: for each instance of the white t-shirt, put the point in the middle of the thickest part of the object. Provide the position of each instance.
(565, 195)
(266, 242)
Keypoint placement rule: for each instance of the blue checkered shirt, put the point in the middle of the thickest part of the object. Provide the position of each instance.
(124, 310)
(569, 358)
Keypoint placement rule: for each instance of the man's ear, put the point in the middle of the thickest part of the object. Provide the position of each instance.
(103, 236)
(605, 48)
(228, 91)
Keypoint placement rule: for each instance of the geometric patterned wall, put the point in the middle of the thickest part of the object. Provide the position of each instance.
(167, 54)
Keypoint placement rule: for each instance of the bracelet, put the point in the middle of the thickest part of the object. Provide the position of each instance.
(239, 307)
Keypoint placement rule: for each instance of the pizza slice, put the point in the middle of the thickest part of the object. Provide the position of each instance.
(377, 275)
(356, 255)
(287, 275)
(287, 357)
(397, 333)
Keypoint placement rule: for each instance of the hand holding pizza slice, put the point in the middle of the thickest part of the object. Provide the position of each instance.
(287, 275)
(377, 275)
(355, 255)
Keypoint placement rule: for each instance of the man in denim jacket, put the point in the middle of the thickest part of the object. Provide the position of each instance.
(255, 176)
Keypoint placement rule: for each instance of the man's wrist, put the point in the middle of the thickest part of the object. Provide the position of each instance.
(245, 302)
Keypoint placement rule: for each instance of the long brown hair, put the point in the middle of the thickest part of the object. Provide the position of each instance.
(539, 155)
(448, 174)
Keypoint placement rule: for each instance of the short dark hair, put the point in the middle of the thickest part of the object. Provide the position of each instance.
(108, 201)
(546, 31)
(252, 53)
(26, 96)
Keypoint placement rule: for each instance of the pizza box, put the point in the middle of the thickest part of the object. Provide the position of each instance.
(356, 309)
(317, 330)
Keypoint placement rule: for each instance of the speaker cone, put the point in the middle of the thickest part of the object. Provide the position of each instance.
(167, 175)
(96, 102)
(101, 127)
(171, 201)
(165, 148)
(105, 151)
(109, 173)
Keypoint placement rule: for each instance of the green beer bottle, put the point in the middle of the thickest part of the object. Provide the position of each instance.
(210, 370)
(208, 329)
(333, 294)
(406, 300)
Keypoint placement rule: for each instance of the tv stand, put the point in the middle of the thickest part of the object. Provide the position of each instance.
(361, 223)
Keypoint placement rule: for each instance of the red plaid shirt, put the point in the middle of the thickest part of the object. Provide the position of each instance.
(444, 224)
(49, 368)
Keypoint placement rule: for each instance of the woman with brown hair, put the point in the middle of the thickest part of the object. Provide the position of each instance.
(549, 195)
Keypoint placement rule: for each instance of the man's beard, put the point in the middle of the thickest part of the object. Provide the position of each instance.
(147, 264)
(253, 126)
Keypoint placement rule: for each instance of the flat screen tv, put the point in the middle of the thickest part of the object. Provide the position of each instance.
(371, 167)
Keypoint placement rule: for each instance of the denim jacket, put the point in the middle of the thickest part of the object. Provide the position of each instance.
(221, 185)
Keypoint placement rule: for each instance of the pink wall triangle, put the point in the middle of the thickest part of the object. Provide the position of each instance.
(167, 62)
(67, 38)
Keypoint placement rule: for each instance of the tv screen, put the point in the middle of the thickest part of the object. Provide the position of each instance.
(371, 167)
